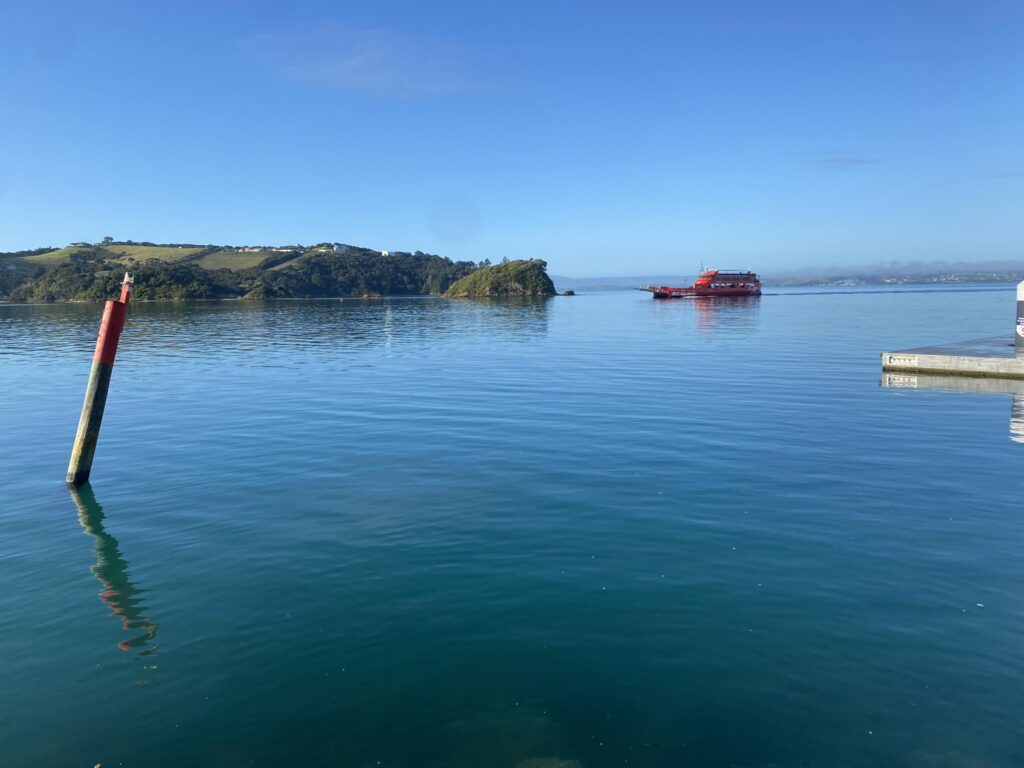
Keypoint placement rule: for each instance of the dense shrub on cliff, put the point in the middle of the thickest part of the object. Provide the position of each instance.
(358, 272)
(524, 277)
(15, 271)
(96, 281)
(75, 281)
(157, 280)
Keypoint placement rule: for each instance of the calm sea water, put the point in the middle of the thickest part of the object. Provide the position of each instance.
(591, 531)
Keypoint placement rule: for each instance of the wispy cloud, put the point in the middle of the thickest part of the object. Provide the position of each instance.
(376, 62)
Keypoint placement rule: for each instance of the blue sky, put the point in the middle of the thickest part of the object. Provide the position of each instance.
(607, 138)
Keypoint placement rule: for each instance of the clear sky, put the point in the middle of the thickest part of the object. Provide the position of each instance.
(607, 138)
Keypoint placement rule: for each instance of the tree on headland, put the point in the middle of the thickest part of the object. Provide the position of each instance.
(522, 277)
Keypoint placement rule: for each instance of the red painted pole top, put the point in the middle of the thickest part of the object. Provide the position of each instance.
(126, 287)
(113, 323)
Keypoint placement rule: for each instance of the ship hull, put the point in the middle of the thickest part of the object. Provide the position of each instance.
(690, 293)
(712, 283)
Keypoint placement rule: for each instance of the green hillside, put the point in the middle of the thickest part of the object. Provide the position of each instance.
(16, 271)
(59, 256)
(169, 253)
(231, 258)
(93, 272)
(117, 252)
(208, 257)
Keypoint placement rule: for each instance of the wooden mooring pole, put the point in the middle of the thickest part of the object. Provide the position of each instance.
(84, 448)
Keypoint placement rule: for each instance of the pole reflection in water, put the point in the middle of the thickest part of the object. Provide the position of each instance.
(1017, 419)
(111, 570)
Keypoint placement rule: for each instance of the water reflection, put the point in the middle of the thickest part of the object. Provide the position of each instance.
(727, 312)
(720, 314)
(968, 384)
(111, 570)
(171, 329)
(516, 318)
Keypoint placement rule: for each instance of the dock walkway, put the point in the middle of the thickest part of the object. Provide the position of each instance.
(992, 357)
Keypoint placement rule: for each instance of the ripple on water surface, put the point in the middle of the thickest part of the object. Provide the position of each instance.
(581, 532)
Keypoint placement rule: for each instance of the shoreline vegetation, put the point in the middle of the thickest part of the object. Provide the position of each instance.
(184, 272)
(83, 272)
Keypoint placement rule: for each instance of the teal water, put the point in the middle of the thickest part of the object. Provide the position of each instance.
(591, 531)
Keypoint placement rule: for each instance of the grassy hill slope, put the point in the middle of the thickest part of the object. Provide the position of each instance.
(229, 258)
(119, 253)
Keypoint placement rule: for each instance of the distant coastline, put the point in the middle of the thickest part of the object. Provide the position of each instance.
(949, 278)
(836, 279)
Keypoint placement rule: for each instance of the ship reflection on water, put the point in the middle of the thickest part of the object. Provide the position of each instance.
(968, 384)
(111, 570)
(733, 315)
(730, 313)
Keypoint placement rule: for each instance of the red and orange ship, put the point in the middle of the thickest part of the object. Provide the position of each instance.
(712, 282)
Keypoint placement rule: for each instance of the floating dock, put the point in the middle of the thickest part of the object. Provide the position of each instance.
(995, 357)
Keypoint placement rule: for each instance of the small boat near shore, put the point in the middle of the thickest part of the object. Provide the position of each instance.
(712, 282)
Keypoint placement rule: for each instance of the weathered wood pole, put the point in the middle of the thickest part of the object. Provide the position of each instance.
(1018, 336)
(84, 448)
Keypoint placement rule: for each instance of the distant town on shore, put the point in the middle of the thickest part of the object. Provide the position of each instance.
(83, 271)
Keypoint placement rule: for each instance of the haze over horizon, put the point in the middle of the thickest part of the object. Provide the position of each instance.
(607, 141)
